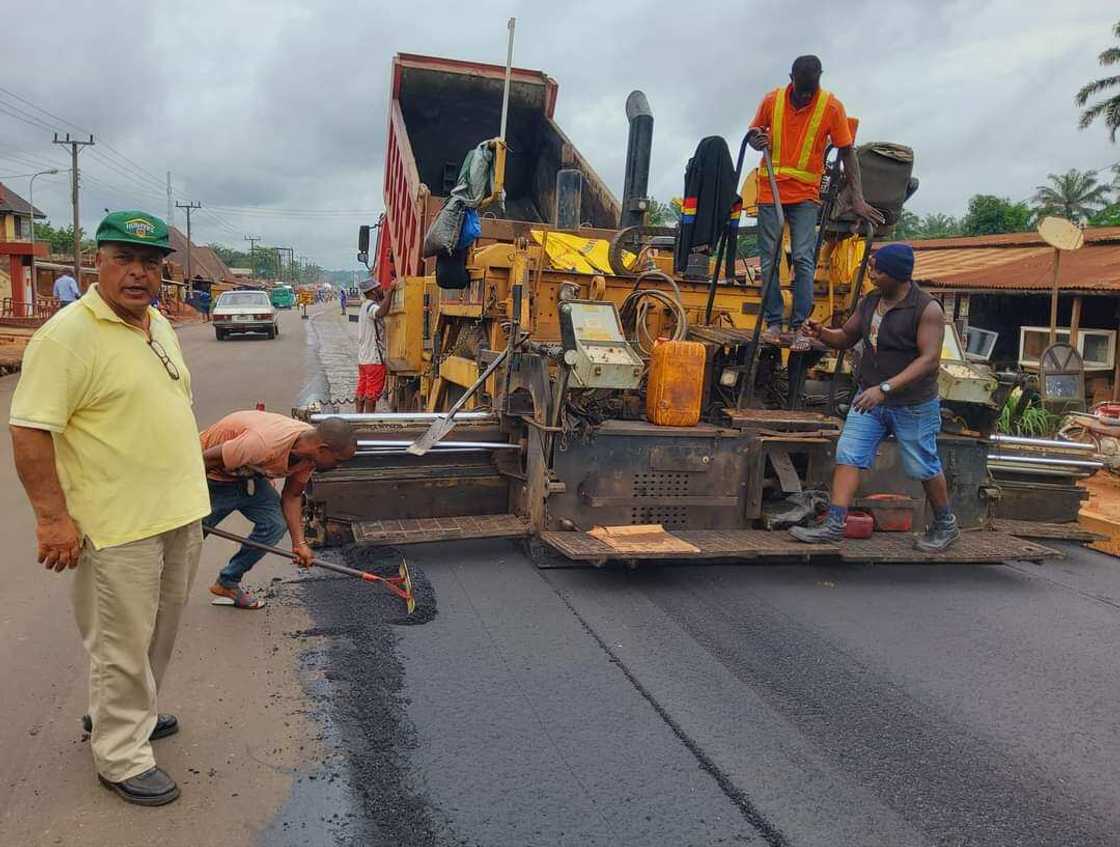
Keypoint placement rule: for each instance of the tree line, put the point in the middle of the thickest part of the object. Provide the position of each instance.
(1078, 196)
(265, 262)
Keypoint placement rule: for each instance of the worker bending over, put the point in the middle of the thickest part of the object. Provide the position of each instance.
(902, 329)
(242, 452)
(797, 122)
(371, 343)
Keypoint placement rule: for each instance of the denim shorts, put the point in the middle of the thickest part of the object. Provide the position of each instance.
(914, 427)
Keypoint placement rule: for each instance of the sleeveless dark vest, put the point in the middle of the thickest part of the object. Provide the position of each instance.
(897, 347)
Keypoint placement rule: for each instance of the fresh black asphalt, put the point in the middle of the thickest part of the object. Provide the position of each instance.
(707, 705)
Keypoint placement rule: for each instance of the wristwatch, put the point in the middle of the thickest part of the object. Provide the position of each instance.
(885, 387)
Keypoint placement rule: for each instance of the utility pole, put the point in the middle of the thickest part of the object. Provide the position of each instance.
(252, 239)
(74, 146)
(190, 207)
(170, 203)
(291, 258)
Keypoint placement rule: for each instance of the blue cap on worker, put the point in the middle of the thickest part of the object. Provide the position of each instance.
(895, 260)
(368, 284)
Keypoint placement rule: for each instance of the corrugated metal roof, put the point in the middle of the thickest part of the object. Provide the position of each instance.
(1019, 262)
(204, 261)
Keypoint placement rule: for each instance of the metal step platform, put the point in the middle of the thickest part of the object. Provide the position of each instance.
(759, 544)
(422, 530)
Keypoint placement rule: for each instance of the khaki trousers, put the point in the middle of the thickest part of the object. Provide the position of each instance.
(128, 600)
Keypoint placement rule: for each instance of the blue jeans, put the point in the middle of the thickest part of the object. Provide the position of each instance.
(802, 218)
(262, 507)
(914, 427)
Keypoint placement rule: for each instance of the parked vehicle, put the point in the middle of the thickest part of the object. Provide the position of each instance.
(283, 297)
(245, 311)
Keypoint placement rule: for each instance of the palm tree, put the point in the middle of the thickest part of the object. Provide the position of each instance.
(1074, 195)
(940, 225)
(661, 214)
(1110, 106)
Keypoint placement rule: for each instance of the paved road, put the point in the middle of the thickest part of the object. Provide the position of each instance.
(761, 705)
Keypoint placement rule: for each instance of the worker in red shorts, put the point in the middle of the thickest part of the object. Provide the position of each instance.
(371, 343)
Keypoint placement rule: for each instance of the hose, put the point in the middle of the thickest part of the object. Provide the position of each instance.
(638, 303)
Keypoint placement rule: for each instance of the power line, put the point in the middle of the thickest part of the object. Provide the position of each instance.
(23, 115)
(221, 223)
(147, 183)
(32, 161)
(53, 116)
(127, 191)
(269, 209)
(111, 165)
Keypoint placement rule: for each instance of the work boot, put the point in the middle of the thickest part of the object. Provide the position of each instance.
(940, 536)
(165, 725)
(827, 532)
(151, 788)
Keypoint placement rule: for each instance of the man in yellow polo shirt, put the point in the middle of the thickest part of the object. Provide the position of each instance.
(106, 445)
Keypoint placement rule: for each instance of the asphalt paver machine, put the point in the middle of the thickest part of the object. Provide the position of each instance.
(557, 446)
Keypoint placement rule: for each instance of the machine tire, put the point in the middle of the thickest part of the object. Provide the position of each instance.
(272, 333)
(218, 334)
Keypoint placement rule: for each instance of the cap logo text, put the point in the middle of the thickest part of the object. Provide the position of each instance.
(140, 228)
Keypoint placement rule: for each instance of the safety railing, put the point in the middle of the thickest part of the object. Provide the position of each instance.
(35, 312)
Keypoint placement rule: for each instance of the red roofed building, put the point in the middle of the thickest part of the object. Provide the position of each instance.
(1002, 284)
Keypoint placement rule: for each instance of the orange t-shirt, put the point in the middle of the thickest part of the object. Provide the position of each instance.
(834, 124)
(257, 444)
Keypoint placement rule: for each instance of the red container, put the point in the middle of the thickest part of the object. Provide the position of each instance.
(891, 512)
(858, 525)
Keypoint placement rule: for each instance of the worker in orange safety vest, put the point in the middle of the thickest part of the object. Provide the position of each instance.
(797, 122)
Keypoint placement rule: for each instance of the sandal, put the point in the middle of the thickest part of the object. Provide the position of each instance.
(236, 597)
(800, 343)
(771, 336)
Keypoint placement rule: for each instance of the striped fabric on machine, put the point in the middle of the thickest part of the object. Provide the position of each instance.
(688, 210)
(736, 212)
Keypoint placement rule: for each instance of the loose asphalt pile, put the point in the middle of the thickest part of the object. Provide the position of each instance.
(360, 697)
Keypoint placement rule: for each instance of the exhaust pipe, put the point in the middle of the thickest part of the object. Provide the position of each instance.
(634, 188)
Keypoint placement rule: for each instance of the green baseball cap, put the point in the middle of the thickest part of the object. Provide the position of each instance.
(134, 227)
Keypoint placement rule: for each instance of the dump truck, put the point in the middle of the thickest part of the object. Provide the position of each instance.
(548, 353)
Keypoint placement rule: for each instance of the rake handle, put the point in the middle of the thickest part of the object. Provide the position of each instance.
(288, 554)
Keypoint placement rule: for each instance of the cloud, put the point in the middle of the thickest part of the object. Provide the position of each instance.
(282, 106)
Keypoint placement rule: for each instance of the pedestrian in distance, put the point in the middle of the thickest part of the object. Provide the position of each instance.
(797, 122)
(902, 329)
(106, 446)
(371, 343)
(242, 453)
(66, 290)
(342, 300)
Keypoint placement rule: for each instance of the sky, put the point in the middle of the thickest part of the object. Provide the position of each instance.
(272, 115)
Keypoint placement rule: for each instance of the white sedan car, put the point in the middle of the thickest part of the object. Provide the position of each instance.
(245, 311)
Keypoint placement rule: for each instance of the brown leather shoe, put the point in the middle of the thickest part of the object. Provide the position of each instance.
(151, 788)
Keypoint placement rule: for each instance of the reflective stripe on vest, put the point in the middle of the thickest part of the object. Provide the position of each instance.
(800, 171)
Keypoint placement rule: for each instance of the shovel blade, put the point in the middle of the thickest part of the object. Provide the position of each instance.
(436, 432)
